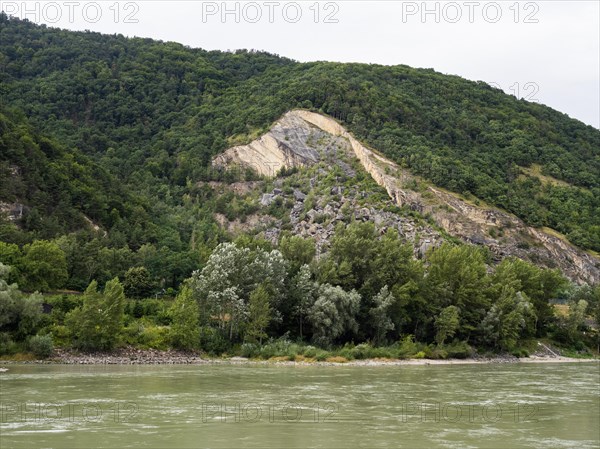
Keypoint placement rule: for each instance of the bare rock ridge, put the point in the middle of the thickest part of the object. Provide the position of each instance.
(288, 144)
(284, 146)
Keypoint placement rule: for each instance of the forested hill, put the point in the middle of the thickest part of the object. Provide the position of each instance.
(153, 114)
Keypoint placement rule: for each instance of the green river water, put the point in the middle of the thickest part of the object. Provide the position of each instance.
(256, 406)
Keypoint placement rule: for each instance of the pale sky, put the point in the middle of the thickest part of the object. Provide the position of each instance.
(547, 51)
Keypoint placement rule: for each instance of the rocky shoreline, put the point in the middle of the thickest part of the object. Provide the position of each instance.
(132, 356)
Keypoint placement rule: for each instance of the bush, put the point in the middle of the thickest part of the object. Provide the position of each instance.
(520, 352)
(154, 337)
(7, 345)
(60, 335)
(436, 352)
(310, 352)
(321, 355)
(42, 346)
(459, 350)
(407, 347)
(212, 341)
(250, 350)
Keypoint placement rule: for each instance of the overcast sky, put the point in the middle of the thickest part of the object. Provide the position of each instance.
(547, 51)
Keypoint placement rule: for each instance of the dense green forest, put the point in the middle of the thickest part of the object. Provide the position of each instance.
(106, 144)
(368, 298)
(153, 114)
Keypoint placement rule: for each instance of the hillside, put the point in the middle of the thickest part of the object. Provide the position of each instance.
(153, 115)
(50, 190)
(303, 139)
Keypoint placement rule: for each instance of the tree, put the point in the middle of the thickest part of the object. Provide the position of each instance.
(138, 283)
(380, 314)
(20, 315)
(446, 324)
(114, 304)
(302, 296)
(231, 274)
(10, 255)
(44, 266)
(538, 284)
(353, 250)
(507, 318)
(298, 251)
(98, 323)
(575, 318)
(457, 276)
(259, 314)
(333, 313)
(185, 330)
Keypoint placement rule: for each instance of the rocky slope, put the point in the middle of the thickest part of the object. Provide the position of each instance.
(306, 139)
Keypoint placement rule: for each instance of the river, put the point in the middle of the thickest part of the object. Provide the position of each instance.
(257, 406)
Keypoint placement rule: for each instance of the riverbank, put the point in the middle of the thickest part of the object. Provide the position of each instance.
(132, 356)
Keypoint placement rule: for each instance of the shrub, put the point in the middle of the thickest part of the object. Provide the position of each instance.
(362, 351)
(436, 352)
(250, 350)
(212, 341)
(60, 335)
(459, 350)
(42, 346)
(7, 345)
(321, 355)
(310, 352)
(154, 337)
(407, 347)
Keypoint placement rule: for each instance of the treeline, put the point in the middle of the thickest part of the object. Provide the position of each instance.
(153, 114)
(368, 290)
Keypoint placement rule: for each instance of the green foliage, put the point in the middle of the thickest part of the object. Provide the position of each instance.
(575, 318)
(20, 315)
(302, 296)
(185, 330)
(539, 285)
(333, 313)
(44, 266)
(259, 313)
(380, 314)
(42, 346)
(98, 323)
(506, 319)
(138, 283)
(446, 324)
(224, 285)
(298, 251)
(457, 277)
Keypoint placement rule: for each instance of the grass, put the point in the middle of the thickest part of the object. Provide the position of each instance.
(554, 233)
(535, 171)
(561, 309)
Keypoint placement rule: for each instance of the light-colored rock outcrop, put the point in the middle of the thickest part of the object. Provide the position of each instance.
(284, 146)
(288, 145)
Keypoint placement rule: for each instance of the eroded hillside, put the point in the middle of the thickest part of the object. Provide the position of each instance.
(331, 159)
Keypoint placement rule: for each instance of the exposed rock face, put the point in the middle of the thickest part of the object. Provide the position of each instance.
(13, 211)
(291, 143)
(284, 146)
